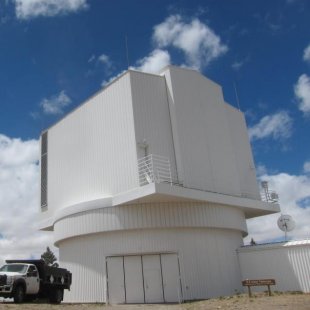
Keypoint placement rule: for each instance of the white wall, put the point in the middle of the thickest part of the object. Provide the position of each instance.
(208, 259)
(242, 153)
(204, 144)
(92, 151)
(150, 215)
(287, 263)
(152, 116)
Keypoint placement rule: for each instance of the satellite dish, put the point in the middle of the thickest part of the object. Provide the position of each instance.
(286, 223)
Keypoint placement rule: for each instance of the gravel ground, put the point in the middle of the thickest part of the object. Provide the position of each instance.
(287, 301)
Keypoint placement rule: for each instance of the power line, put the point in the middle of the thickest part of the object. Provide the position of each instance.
(237, 97)
(127, 53)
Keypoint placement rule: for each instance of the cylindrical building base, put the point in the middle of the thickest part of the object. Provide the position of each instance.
(152, 265)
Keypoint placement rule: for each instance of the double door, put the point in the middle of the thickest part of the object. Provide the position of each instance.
(143, 279)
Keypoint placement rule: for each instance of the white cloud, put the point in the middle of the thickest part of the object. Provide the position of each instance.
(26, 9)
(91, 58)
(102, 62)
(294, 199)
(197, 40)
(15, 152)
(237, 65)
(19, 200)
(276, 126)
(302, 93)
(260, 170)
(55, 104)
(306, 56)
(307, 167)
(104, 59)
(111, 79)
(154, 62)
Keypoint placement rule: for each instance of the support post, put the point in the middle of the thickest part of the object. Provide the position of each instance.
(249, 290)
(269, 290)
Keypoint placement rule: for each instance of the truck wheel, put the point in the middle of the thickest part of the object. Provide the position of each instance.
(19, 294)
(56, 296)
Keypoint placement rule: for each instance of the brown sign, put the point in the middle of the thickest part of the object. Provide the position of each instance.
(259, 282)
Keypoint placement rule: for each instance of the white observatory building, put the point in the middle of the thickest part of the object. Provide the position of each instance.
(147, 187)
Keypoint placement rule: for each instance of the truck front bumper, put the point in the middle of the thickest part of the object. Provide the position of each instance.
(5, 290)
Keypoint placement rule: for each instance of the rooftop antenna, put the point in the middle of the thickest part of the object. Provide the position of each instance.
(237, 97)
(127, 53)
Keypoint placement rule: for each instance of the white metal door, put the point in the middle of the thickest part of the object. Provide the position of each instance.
(152, 279)
(116, 287)
(133, 279)
(171, 277)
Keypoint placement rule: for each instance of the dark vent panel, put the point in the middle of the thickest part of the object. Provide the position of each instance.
(44, 144)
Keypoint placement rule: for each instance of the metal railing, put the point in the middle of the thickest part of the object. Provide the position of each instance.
(154, 169)
(157, 169)
(268, 195)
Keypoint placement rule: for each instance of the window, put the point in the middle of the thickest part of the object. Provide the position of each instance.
(19, 268)
(44, 147)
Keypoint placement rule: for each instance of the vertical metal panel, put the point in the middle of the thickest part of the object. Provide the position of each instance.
(116, 280)
(133, 279)
(174, 127)
(287, 264)
(203, 275)
(299, 258)
(204, 142)
(87, 160)
(152, 116)
(152, 279)
(242, 153)
(171, 277)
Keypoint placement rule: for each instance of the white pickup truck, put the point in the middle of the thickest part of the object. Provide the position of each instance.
(27, 280)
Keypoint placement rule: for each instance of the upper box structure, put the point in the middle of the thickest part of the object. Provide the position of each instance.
(173, 128)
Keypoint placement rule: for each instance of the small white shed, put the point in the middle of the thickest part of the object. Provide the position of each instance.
(286, 262)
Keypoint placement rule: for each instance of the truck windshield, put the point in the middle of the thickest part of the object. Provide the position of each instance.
(14, 268)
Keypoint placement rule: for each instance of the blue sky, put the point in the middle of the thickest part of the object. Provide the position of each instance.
(55, 54)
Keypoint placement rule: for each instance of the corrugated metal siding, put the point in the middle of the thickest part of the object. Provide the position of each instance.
(155, 215)
(152, 116)
(92, 152)
(288, 264)
(208, 260)
(242, 153)
(204, 142)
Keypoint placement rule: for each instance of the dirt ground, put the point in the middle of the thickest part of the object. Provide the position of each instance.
(287, 301)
